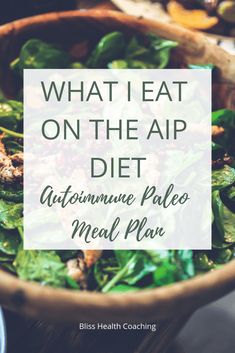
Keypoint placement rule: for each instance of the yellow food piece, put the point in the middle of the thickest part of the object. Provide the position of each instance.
(196, 19)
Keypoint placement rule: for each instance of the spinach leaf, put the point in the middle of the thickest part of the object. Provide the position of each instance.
(11, 113)
(224, 218)
(110, 47)
(154, 53)
(222, 178)
(12, 144)
(161, 50)
(5, 257)
(104, 270)
(45, 267)
(166, 273)
(202, 262)
(135, 50)
(163, 266)
(10, 214)
(122, 288)
(176, 266)
(10, 193)
(130, 64)
(36, 54)
(9, 242)
(137, 265)
(118, 64)
(230, 194)
(133, 266)
(222, 256)
(184, 259)
(77, 65)
(8, 266)
(217, 242)
(226, 119)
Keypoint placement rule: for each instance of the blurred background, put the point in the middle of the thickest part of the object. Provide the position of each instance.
(215, 17)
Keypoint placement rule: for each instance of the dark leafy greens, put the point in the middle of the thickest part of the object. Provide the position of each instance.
(36, 54)
(45, 267)
(115, 271)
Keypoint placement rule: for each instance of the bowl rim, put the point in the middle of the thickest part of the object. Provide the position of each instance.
(161, 303)
(195, 45)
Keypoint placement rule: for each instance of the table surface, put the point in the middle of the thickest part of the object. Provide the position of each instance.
(210, 330)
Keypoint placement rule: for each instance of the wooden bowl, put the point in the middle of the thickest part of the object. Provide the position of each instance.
(69, 27)
(160, 304)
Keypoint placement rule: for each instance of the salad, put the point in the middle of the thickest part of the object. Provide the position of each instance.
(120, 270)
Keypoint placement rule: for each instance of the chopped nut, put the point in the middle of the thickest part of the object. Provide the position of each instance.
(11, 167)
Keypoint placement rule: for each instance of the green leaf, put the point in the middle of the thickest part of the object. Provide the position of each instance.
(133, 266)
(110, 47)
(9, 242)
(161, 50)
(71, 283)
(135, 50)
(154, 52)
(226, 119)
(10, 214)
(202, 261)
(185, 264)
(11, 193)
(159, 44)
(77, 65)
(45, 267)
(140, 64)
(217, 242)
(8, 266)
(222, 256)
(12, 144)
(174, 266)
(5, 257)
(123, 288)
(165, 274)
(230, 194)
(222, 178)
(137, 265)
(11, 113)
(224, 218)
(36, 54)
(105, 269)
(118, 64)
(164, 266)
(130, 64)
